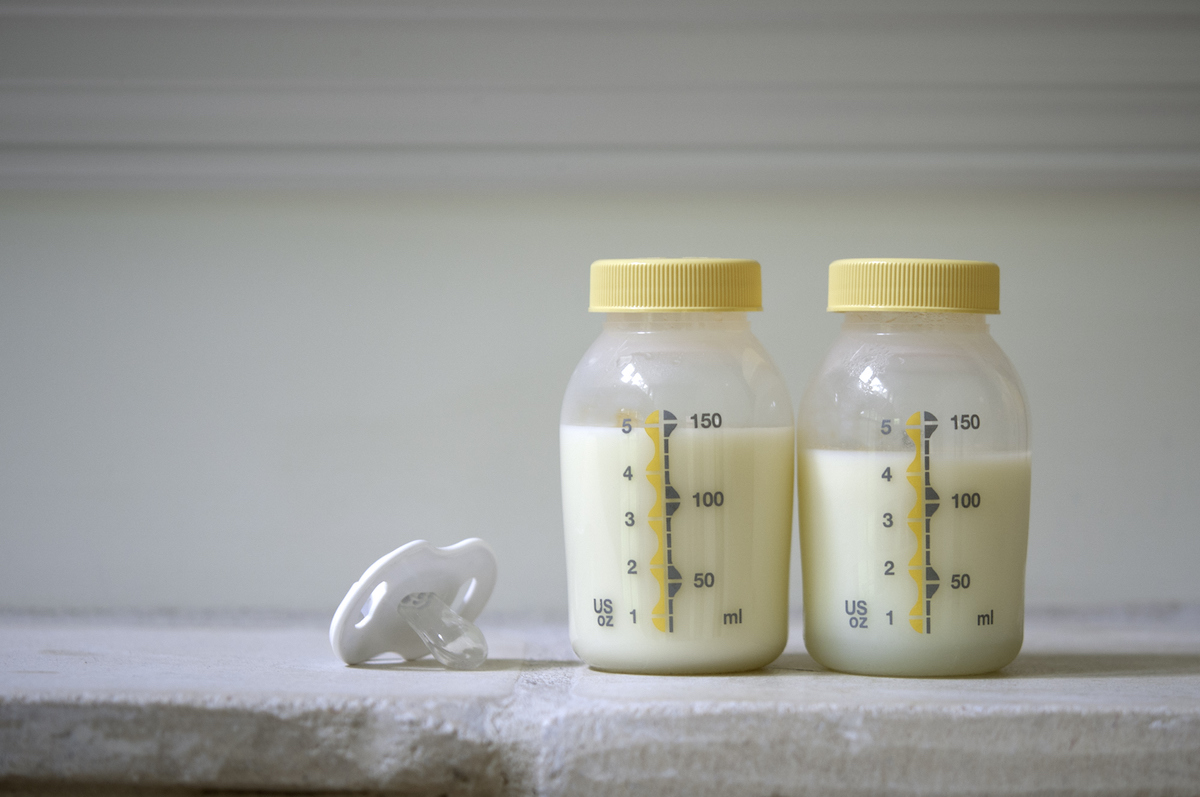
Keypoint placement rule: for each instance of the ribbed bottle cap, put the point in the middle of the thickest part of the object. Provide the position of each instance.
(904, 285)
(668, 285)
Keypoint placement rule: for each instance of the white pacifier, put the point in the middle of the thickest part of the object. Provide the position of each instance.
(417, 600)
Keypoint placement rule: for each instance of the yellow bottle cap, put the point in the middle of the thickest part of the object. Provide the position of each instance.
(905, 285)
(672, 285)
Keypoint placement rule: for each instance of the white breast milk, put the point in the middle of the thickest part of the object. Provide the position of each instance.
(677, 543)
(883, 596)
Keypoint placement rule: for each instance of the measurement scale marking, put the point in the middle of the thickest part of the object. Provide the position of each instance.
(666, 502)
(920, 520)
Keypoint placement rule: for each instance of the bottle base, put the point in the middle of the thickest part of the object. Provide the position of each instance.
(936, 659)
(678, 657)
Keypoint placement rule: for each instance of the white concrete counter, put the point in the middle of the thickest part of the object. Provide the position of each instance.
(1095, 704)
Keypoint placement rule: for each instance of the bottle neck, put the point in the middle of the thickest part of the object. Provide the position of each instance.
(884, 322)
(664, 322)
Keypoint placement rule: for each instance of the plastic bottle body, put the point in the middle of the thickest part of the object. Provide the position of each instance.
(914, 473)
(677, 470)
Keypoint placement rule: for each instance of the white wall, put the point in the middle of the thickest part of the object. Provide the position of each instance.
(242, 398)
(575, 94)
(285, 283)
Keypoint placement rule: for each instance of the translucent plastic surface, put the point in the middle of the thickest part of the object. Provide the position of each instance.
(914, 473)
(882, 364)
(453, 640)
(677, 467)
(693, 362)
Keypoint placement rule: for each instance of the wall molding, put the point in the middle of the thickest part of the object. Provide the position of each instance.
(661, 93)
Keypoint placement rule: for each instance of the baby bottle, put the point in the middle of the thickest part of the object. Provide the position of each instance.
(677, 449)
(913, 466)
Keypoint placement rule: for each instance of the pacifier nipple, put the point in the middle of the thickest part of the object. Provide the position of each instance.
(417, 600)
(452, 639)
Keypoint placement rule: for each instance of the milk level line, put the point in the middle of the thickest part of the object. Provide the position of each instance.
(920, 519)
